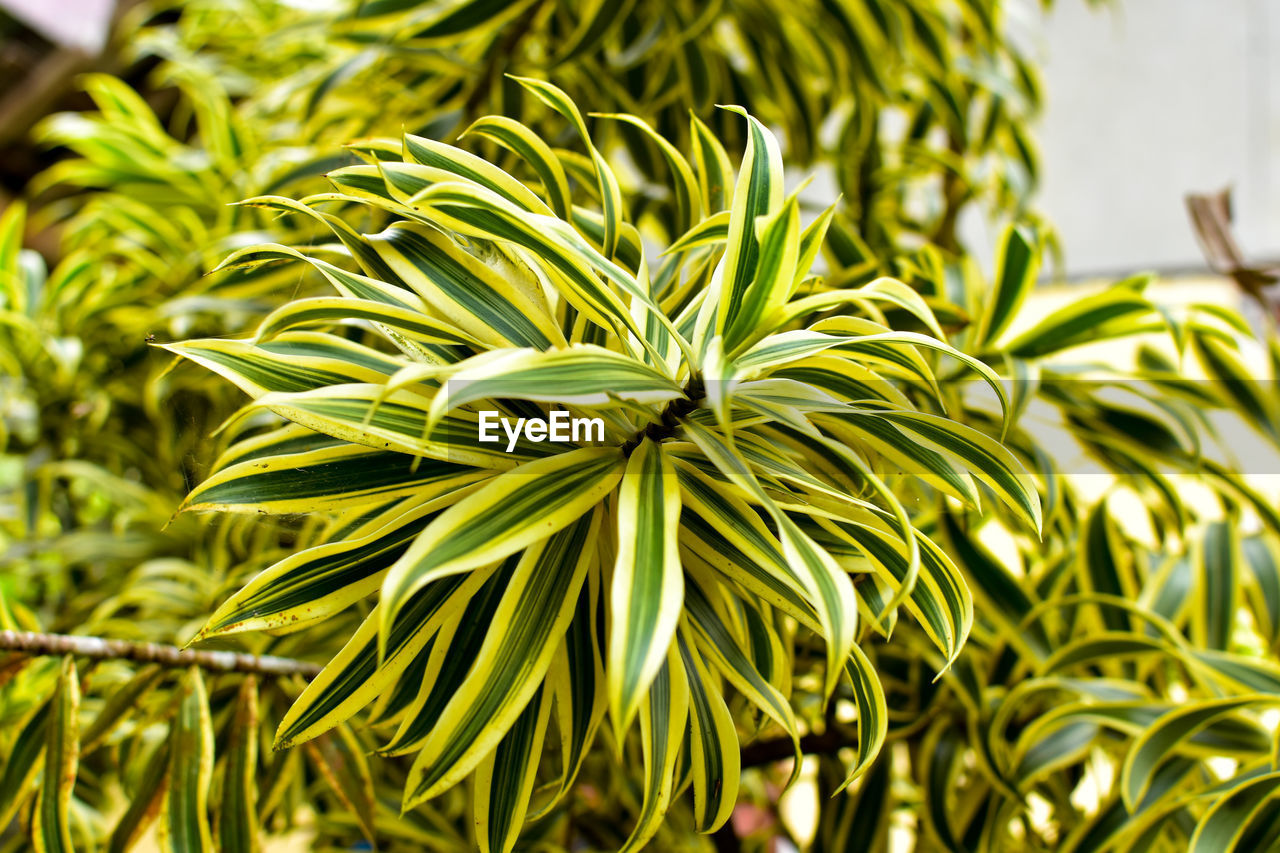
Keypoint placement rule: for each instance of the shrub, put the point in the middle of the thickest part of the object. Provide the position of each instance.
(825, 518)
(732, 491)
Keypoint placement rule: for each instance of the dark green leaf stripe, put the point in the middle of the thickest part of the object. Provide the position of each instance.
(925, 461)
(648, 584)
(1081, 322)
(535, 609)
(461, 18)
(873, 714)
(662, 726)
(688, 200)
(324, 480)
(1016, 272)
(190, 768)
(288, 439)
(507, 781)
(23, 761)
(712, 231)
(713, 744)
(719, 646)
(718, 552)
(715, 173)
(359, 413)
(1221, 562)
(1265, 571)
(320, 581)
(238, 814)
(455, 161)
(347, 283)
(580, 689)
(1100, 568)
(479, 300)
(1008, 600)
(456, 649)
(51, 829)
(770, 285)
(1221, 828)
(358, 674)
(582, 375)
(706, 519)
(840, 382)
(348, 356)
(328, 310)
(938, 598)
(610, 193)
(563, 253)
(1168, 733)
(758, 192)
(516, 137)
(986, 459)
(257, 371)
(512, 511)
(368, 260)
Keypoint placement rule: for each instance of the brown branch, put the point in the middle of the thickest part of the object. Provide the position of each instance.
(98, 648)
(828, 742)
(1211, 220)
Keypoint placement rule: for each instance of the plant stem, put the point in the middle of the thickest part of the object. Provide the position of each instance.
(828, 742)
(98, 648)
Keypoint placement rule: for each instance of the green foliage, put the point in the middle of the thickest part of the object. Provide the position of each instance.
(828, 514)
(729, 490)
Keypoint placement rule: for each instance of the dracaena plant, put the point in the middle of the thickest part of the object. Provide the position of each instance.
(661, 569)
(834, 75)
(1114, 691)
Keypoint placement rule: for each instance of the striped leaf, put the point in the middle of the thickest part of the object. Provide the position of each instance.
(583, 375)
(663, 718)
(531, 618)
(297, 362)
(713, 743)
(610, 193)
(186, 825)
(321, 480)
(518, 138)
(51, 822)
(1017, 264)
(365, 414)
(1169, 733)
(363, 668)
(318, 582)
(719, 647)
(24, 761)
(505, 778)
(330, 310)
(237, 819)
(758, 193)
(1226, 822)
(826, 584)
(508, 513)
(466, 292)
(648, 585)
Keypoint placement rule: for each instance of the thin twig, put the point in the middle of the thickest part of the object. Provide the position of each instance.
(98, 648)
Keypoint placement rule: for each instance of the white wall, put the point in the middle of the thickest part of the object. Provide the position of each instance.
(1150, 100)
(84, 24)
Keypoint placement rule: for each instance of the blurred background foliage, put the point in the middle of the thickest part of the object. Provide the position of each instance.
(1116, 689)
